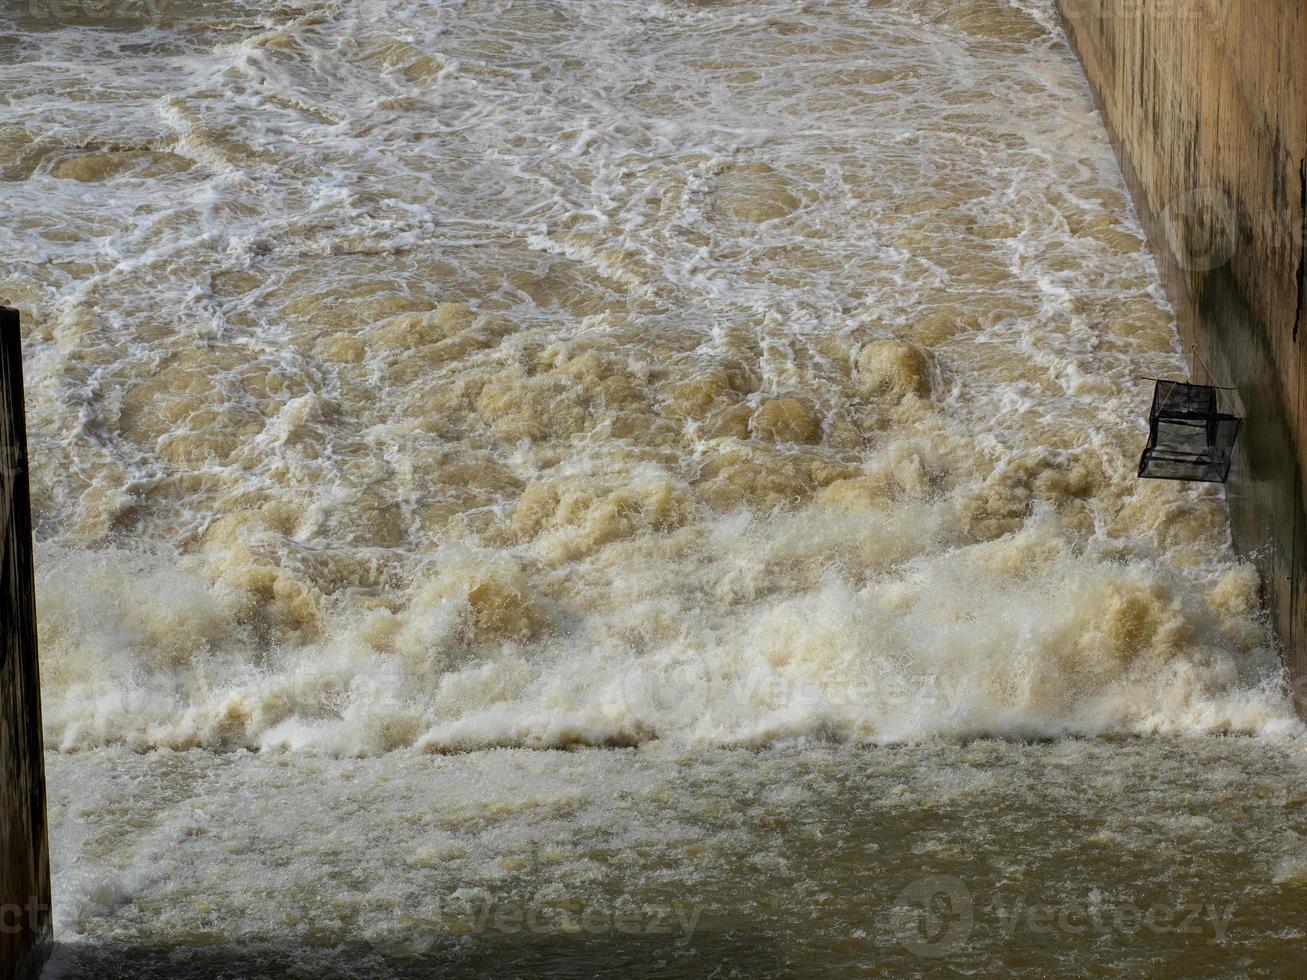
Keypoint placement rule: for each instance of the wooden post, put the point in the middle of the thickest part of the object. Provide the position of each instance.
(25, 933)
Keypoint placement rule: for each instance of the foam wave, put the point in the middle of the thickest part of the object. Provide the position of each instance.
(1022, 636)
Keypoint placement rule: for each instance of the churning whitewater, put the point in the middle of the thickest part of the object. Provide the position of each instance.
(460, 375)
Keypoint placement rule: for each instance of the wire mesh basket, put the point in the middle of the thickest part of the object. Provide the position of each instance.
(1191, 433)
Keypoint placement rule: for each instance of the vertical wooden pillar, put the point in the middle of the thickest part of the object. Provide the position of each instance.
(25, 932)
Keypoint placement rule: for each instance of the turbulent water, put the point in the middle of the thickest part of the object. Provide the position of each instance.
(747, 394)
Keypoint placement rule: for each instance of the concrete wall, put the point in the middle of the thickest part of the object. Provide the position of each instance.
(1206, 103)
(24, 854)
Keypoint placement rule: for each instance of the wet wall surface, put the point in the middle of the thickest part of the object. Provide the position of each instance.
(1206, 102)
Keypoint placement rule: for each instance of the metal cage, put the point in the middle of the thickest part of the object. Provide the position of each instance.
(1191, 433)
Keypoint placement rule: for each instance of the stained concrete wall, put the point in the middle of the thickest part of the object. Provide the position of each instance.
(24, 854)
(1206, 103)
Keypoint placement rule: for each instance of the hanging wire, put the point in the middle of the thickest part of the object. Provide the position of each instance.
(1194, 358)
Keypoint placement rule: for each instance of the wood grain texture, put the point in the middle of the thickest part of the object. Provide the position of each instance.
(1206, 104)
(24, 852)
